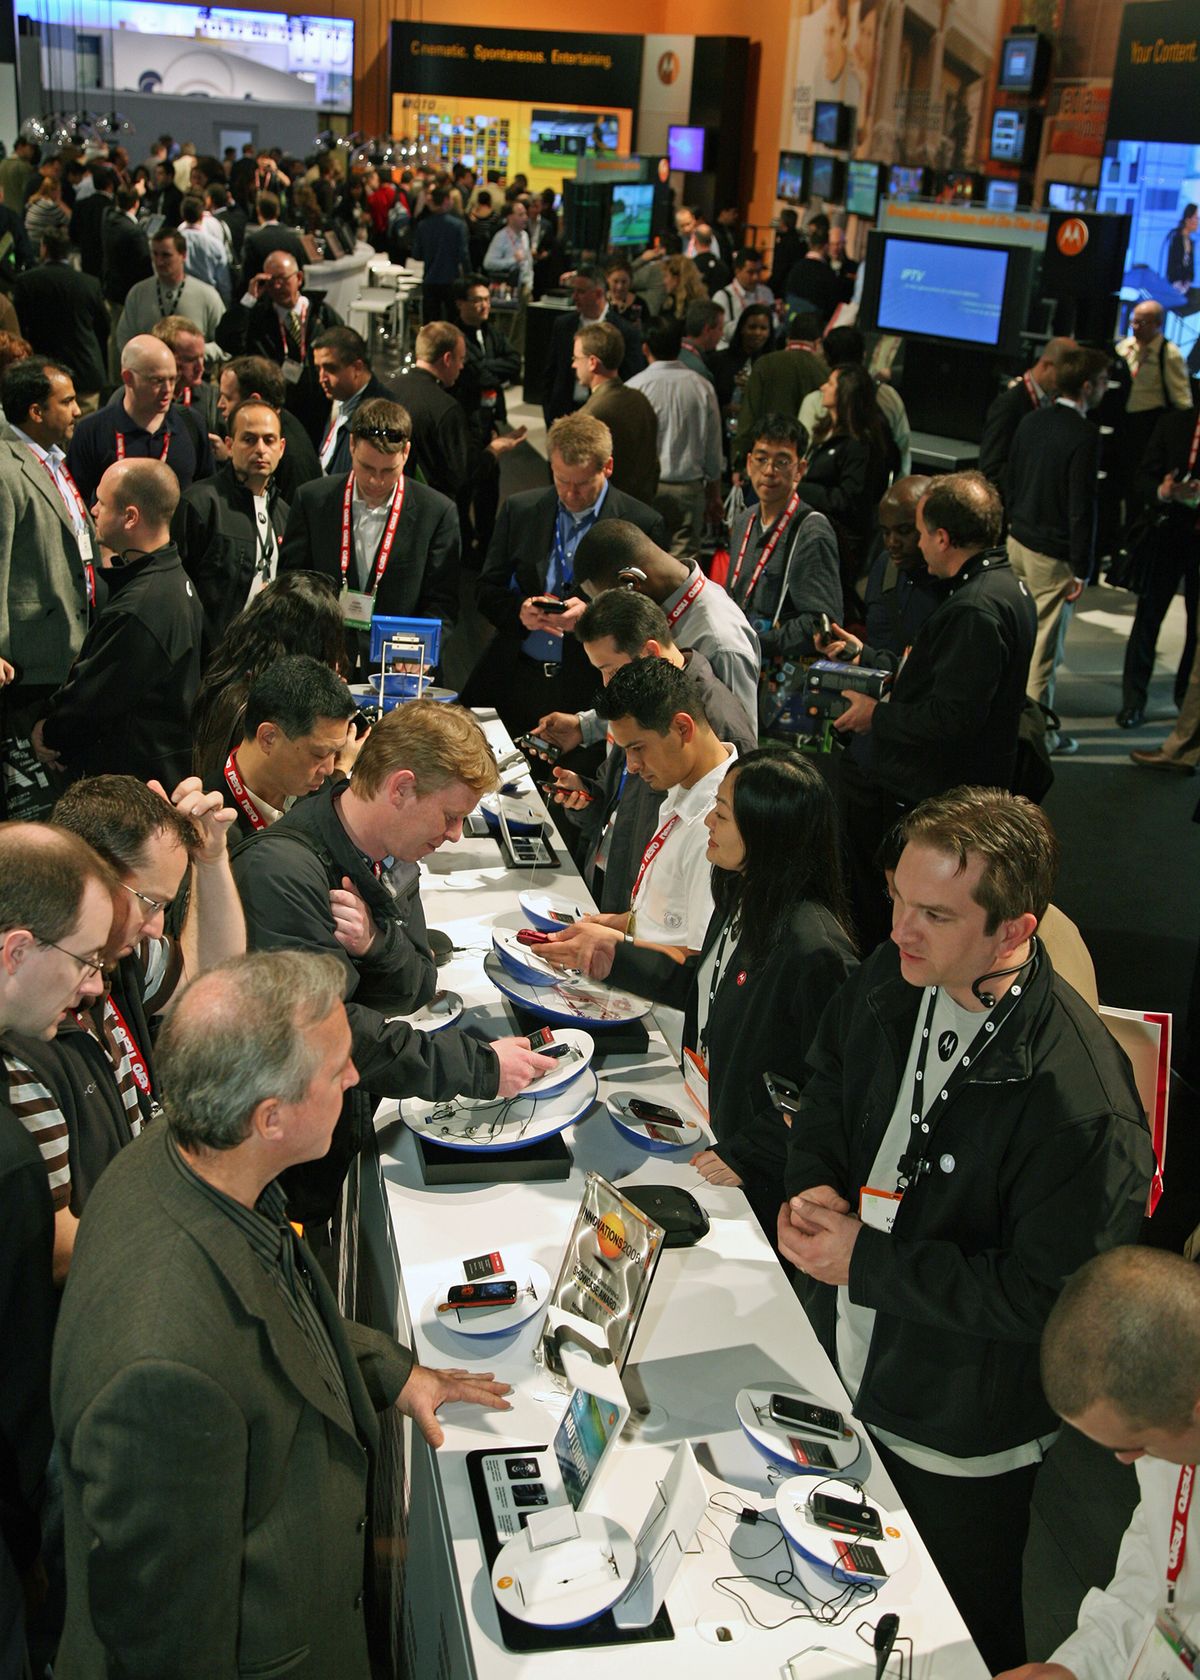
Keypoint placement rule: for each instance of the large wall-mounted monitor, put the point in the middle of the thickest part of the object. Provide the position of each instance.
(863, 181)
(689, 149)
(563, 137)
(948, 291)
(791, 180)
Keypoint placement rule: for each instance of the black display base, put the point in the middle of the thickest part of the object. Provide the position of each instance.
(519, 1636)
(628, 1038)
(548, 1160)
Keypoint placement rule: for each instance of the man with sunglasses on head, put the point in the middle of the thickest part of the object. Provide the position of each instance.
(90, 1092)
(389, 544)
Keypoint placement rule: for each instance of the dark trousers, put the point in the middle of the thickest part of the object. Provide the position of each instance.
(437, 303)
(867, 814)
(1179, 561)
(975, 1528)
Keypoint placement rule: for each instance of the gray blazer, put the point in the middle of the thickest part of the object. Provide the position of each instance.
(43, 592)
(215, 1492)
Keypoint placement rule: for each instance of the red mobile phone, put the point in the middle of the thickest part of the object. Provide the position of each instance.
(532, 936)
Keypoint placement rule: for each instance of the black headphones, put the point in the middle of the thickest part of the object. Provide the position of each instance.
(988, 999)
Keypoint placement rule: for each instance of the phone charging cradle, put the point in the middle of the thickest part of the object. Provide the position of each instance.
(564, 1569)
(819, 1546)
(773, 1440)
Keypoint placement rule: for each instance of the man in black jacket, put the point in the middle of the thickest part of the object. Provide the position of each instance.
(228, 528)
(534, 665)
(1053, 496)
(62, 314)
(340, 358)
(88, 218)
(343, 527)
(1036, 388)
(256, 376)
(955, 705)
(295, 730)
(589, 293)
(124, 261)
(276, 318)
(125, 706)
(420, 773)
(968, 1136)
(492, 363)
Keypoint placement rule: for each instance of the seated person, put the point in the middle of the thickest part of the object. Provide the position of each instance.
(296, 729)
(390, 544)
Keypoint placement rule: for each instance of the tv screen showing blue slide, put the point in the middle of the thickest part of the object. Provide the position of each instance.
(942, 291)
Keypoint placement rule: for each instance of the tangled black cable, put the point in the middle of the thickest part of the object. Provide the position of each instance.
(829, 1612)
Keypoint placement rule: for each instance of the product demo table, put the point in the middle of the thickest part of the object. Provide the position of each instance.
(720, 1315)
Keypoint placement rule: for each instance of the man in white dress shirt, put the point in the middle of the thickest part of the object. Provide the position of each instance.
(689, 436)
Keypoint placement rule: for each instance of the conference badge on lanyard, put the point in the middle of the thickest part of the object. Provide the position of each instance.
(358, 605)
(1168, 1653)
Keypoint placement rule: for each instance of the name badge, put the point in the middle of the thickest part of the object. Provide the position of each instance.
(695, 1079)
(1168, 1654)
(84, 539)
(357, 607)
(292, 369)
(879, 1208)
(488, 399)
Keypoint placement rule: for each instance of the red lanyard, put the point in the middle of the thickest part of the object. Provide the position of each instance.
(681, 606)
(123, 1036)
(652, 850)
(1177, 1546)
(89, 570)
(186, 398)
(389, 533)
(121, 445)
(286, 342)
(241, 798)
(1034, 400)
(781, 525)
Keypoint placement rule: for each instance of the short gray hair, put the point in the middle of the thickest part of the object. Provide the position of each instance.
(238, 1037)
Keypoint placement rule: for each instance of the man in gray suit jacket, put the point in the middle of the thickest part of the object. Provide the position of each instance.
(48, 550)
(215, 1412)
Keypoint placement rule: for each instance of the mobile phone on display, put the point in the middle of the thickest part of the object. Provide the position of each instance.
(652, 1111)
(540, 1039)
(499, 1292)
(843, 1516)
(545, 604)
(665, 1134)
(803, 1415)
(532, 936)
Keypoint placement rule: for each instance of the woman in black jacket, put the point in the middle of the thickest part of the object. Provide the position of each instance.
(850, 464)
(774, 953)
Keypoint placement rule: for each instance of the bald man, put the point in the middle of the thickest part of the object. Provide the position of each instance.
(147, 424)
(124, 708)
(1036, 388)
(1121, 1363)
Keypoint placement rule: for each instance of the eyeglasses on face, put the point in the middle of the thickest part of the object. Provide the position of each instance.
(90, 965)
(154, 905)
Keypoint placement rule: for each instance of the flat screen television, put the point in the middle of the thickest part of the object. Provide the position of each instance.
(687, 149)
(907, 181)
(632, 215)
(1003, 195)
(1024, 61)
(1068, 195)
(827, 179)
(862, 188)
(947, 290)
(1015, 136)
(790, 181)
(831, 124)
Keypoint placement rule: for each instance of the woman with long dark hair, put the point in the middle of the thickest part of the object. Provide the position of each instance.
(297, 612)
(775, 951)
(1181, 253)
(851, 462)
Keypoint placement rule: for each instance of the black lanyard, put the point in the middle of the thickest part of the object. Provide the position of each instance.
(915, 1160)
(714, 983)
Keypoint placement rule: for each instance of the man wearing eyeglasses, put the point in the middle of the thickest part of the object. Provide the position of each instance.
(89, 1093)
(147, 424)
(55, 913)
(389, 544)
(277, 318)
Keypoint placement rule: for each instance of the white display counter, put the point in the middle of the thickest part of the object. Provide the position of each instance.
(720, 1315)
(341, 279)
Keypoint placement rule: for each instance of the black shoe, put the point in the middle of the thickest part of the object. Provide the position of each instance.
(1131, 717)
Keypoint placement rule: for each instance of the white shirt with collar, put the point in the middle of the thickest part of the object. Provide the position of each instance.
(673, 904)
(368, 525)
(55, 463)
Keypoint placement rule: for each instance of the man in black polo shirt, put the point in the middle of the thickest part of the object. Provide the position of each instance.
(147, 424)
